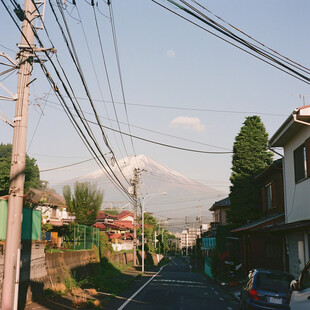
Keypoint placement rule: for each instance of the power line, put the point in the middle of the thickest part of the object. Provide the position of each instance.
(61, 99)
(119, 68)
(166, 145)
(255, 52)
(192, 109)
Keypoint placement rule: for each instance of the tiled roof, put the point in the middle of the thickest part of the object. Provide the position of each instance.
(102, 215)
(115, 236)
(221, 203)
(261, 223)
(124, 214)
(124, 224)
(37, 196)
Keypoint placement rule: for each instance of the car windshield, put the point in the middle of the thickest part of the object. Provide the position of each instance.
(274, 282)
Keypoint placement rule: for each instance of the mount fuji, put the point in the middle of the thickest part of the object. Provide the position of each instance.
(179, 205)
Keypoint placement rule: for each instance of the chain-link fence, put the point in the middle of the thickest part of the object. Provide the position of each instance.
(85, 237)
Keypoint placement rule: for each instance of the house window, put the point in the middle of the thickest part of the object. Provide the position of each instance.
(269, 196)
(300, 163)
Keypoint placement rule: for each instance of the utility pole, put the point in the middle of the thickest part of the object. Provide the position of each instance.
(135, 183)
(16, 191)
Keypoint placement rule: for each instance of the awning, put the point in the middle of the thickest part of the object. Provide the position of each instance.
(291, 226)
(261, 223)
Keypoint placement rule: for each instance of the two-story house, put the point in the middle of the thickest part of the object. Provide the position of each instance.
(294, 137)
(219, 211)
(261, 246)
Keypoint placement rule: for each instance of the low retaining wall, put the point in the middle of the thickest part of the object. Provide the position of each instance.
(40, 270)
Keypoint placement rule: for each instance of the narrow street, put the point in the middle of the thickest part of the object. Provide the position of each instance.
(176, 287)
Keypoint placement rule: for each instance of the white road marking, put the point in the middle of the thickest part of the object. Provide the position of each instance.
(229, 308)
(179, 285)
(173, 261)
(139, 290)
(222, 299)
(178, 281)
(216, 292)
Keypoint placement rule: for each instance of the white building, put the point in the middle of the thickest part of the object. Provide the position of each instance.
(188, 239)
(294, 137)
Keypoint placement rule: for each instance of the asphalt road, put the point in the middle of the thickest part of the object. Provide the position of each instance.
(176, 287)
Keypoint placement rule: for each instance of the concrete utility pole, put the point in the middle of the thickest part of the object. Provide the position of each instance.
(16, 191)
(135, 183)
(144, 201)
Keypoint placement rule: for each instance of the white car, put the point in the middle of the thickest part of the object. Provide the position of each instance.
(300, 299)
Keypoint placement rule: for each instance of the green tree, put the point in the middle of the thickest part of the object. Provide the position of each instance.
(250, 156)
(32, 174)
(84, 203)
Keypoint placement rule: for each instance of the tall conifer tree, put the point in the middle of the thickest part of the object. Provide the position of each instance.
(250, 156)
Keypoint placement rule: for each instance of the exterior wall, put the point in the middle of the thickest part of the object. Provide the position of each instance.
(127, 218)
(294, 264)
(276, 181)
(54, 213)
(32, 264)
(219, 215)
(122, 246)
(258, 257)
(297, 195)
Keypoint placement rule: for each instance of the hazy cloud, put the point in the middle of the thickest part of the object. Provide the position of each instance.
(170, 53)
(192, 123)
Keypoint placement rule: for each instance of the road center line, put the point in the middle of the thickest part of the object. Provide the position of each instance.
(139, 290)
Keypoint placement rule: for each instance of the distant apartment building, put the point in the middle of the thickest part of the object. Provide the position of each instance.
(188, 239)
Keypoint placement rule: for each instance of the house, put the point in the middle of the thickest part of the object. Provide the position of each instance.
(119, 229)
(121, 242)
(52, 205)
(125, 216)
(294, 137)
(260, 245)
(219, 210)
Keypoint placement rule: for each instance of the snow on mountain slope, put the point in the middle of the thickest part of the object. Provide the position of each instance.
(183, 194)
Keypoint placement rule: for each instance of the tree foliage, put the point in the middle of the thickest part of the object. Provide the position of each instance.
(250, 156)
(84, 203)
(32, 174)
(111, 211)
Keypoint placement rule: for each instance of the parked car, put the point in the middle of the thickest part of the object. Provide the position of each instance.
(266, 289)
(300, 299)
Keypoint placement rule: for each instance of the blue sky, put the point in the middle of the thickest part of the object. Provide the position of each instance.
(166, 64)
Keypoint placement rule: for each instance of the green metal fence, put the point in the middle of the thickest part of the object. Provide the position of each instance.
(85, 237)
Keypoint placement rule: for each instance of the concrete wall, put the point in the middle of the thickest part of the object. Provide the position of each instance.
(40, 270)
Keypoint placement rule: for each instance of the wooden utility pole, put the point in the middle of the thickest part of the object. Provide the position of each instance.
(16, 192)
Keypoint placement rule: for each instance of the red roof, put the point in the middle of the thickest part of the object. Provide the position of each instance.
(99, 225)
(124, 224)
(102, 215)
(124, 214)
(115, 236)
